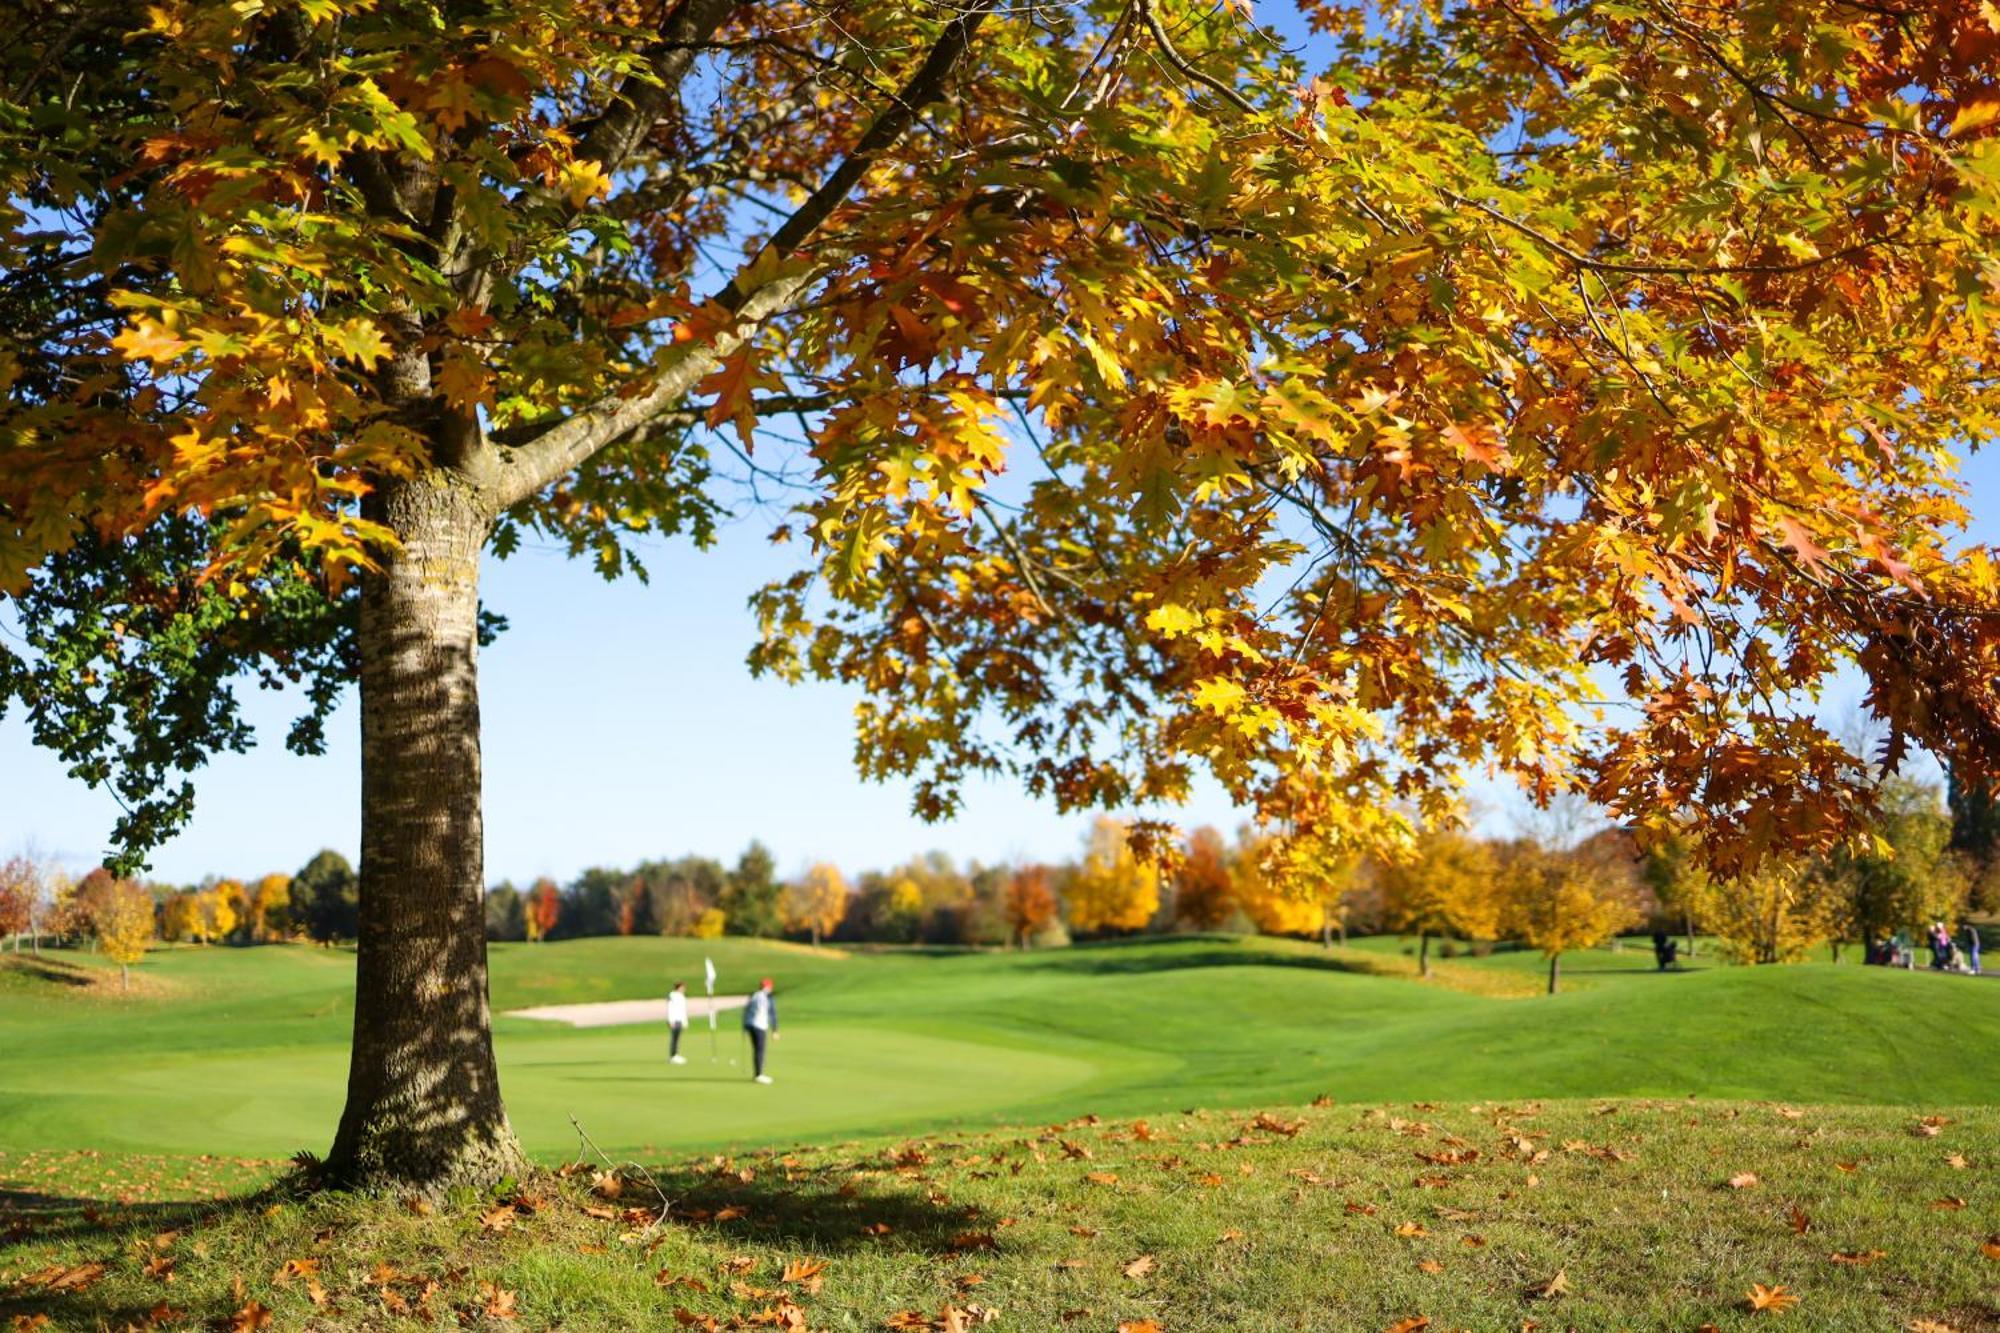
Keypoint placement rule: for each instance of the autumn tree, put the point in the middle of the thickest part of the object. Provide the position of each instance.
(1522, 348)
(1904, 875)
(817, 901)
(1204, 889)
(1446, 886)
(1111, 890)
(639, 914)
(269, 915)
(1031, 905)
(1775, 914)
(542, 909)
(124, 927)
(20, 882)
(1293, 887)
(1559, 902)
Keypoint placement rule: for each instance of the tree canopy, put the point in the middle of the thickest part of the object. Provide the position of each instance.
(1152, 396)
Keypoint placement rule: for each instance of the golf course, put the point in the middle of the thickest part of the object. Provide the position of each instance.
(1192, 1133)
(244, 1051)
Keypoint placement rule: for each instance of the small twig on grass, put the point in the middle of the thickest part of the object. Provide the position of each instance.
(619, 1168)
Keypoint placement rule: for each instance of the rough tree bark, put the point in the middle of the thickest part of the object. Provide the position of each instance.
(423, 1093)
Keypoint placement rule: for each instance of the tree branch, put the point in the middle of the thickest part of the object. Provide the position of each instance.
(523, 471)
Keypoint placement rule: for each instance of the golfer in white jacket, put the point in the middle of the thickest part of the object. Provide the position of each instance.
(677, 1020)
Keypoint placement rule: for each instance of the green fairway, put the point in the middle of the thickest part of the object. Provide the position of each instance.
(243, 1051)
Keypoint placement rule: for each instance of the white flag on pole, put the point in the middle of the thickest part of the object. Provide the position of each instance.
(708, 965)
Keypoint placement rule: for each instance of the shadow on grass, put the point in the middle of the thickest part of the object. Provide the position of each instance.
(54, 970)
(100, 1232)
(1136, 957)
(827, 1210)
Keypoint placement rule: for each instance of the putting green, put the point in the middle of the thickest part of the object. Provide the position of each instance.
(244, 1051)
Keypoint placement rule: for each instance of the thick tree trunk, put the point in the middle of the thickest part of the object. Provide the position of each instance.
(1555, 971)
(423, 1096)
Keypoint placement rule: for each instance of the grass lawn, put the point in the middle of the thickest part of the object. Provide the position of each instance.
(1591, 1134)
(1626, 1214)
(244, 1051)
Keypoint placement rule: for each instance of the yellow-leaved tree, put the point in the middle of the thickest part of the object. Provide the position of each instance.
(1445, 887)
(1775, 914)
(124, 925)
(1556, 904)
(1112, 890)
(817, 902)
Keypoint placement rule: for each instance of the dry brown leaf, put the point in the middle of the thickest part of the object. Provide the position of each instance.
(1411, 1230)
(1928, 1326)
(1228, 1236)
(1140, 1326)
(1950, 1203)
(1856, 1258)
(1800, 1222)
(499, 1303)
(1769, 1300)
(606, 1185)
(1742, 1180)
(1416, 1323)
(1429, 1266)
(1554, 1287)
(1085, 1232)
(1364, 1209)
(499, 1218)
(1991, 1246)
(1101, 1177)
(1957, 1162)
(1141, 1266)
(250, 1319)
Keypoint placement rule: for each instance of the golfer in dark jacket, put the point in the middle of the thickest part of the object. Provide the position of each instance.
(760, 1024)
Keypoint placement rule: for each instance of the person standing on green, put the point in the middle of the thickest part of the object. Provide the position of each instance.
(677, 1020)
(760, 1024)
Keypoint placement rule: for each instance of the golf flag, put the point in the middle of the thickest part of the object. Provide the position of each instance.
(708, 966)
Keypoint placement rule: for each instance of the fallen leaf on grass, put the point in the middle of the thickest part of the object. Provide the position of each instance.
(1140, 1326)
(1085, 1232)
(606, 1185)
(1800, 1222)
(689, 1319)
(1790, 1113)
(1474, 1242)
(1769, 1300)
(419, 1205)
(1928, 1326)
(1855, 1258)
(1950, 1203)
(160, 1268)
(249, 1319)
(1101, 1177)
(1271, 1124)
(499, 1302)
(1411, 1230)
(498, 1219)
(1849, 1167)
(1554, 1287)
(1957, 1162)
(1991, 1247)
(1416, 1323)
(1429, 1266)
(1141, 1266)
(293, 1269)
(1071, 1263)
(1742, 1180)
(1228, 1236)
(1364, 1209)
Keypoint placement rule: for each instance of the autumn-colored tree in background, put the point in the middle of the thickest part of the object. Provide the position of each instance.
(710, 924)
(1558, 902)
(543, 909)
(816, 902)
(1111, 890)
(1775, 914)
(1522, 347)
(1204, 890)
(20, 882)
(124, 927)
(268, 915)
(1447, 887)
(1031, 905)
(639, 913)
(1906, 876)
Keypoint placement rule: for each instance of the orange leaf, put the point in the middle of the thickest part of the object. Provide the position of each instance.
(1773, 1300)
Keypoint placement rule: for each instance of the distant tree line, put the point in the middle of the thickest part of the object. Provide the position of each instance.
(1555, 892)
